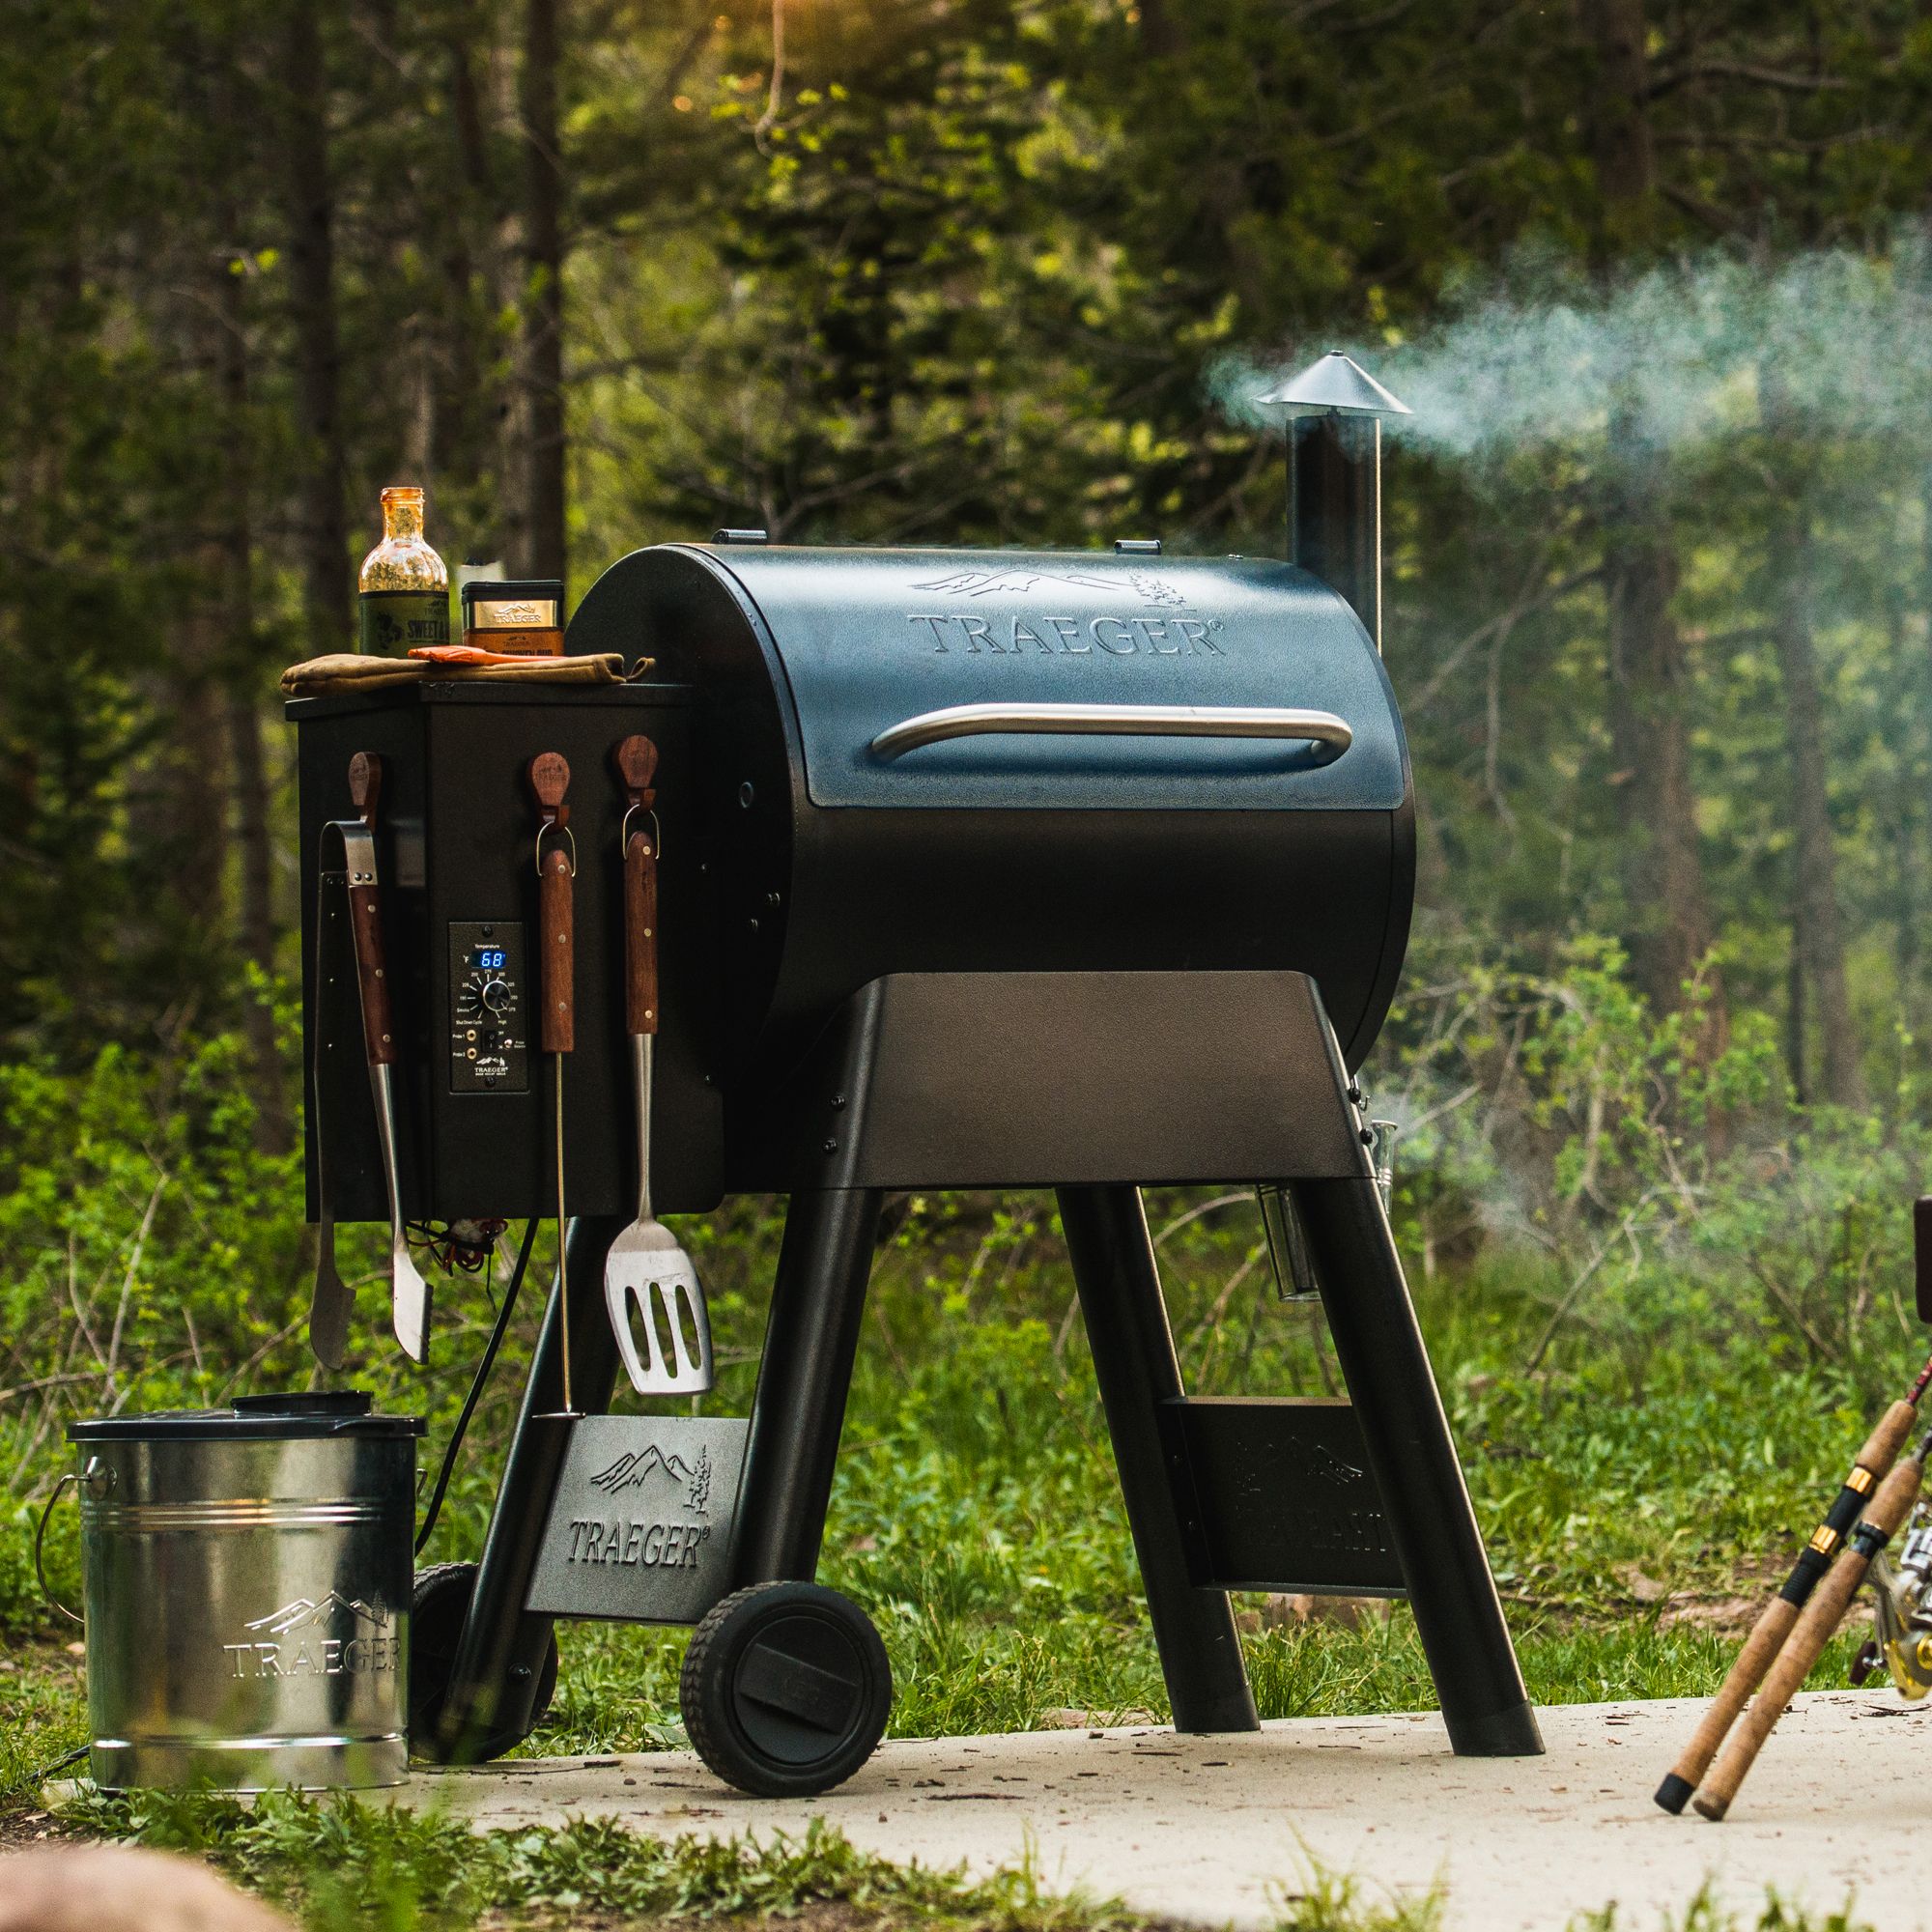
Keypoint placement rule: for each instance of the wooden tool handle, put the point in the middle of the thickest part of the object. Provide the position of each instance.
(550, 781)
(1816, 1625)
(641, 932)
(366, 923)
(637, 760)
(365, 785)
(556, 942)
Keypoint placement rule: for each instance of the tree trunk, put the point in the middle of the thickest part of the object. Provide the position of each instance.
(1796, 1068)
(1817, 928)
(1668, 906)
(275, 1129)
(542, 358)
(310, 217)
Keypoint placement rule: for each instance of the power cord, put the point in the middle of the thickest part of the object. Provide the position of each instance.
(475, 1395)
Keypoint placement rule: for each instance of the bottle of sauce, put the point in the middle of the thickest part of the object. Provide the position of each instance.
(403, 596)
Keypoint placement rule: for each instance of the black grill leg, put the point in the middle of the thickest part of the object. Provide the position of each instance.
(1136, 1367)
(1425, 1501)
(818, 1302)
(493, 1682)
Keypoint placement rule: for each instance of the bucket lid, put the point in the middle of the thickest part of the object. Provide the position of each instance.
(291, 1416)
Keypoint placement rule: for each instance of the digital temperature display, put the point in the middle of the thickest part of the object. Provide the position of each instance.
(488, 1053)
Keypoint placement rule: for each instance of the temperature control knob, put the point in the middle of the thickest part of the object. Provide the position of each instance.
(495, 995)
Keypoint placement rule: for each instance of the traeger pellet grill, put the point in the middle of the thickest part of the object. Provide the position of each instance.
(975, 869)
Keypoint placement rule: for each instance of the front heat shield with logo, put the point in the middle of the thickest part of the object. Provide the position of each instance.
(639, 1529)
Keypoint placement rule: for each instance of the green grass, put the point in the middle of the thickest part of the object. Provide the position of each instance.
(340, 1866)
(341, 1863)
(977, 1519)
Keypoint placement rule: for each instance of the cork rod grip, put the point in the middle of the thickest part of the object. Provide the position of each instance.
(1881, 1450)
(1747, 1672)
(640, 935)
(1780, 1614)
(558, 944)
(365, 917)
(1816, 1625)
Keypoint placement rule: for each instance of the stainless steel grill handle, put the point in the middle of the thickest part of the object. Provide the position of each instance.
(1113, 720)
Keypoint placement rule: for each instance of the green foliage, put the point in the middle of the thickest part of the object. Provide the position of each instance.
(1706, 1914)
(341, 1863)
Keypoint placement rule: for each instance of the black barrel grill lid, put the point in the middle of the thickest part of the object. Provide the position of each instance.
(860, 641)
(289, 1417)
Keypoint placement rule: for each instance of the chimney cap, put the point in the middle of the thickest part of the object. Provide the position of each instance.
(1335, 385)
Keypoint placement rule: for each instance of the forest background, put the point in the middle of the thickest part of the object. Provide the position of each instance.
(1656, 278)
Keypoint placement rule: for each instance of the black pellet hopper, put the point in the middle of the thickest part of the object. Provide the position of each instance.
(895, 869)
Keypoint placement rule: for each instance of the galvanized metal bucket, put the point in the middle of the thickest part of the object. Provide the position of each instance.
(248, 1576)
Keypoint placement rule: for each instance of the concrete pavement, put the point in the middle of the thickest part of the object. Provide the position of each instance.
(1218, 1830)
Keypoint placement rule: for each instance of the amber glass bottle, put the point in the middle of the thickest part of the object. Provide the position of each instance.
(404, 587)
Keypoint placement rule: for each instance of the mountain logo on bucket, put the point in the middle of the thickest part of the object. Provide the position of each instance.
(304, 1612)
(295, 1640)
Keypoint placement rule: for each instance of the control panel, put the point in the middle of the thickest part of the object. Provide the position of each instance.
(488, 1043)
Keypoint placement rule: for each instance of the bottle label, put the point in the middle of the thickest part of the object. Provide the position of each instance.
(395, 622)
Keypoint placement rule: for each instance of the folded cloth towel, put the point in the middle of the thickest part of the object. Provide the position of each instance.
(349, 671)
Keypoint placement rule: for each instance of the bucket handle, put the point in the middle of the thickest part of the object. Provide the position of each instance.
(40, 1539)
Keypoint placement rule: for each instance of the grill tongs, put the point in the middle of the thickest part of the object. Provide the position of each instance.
(329, 1312)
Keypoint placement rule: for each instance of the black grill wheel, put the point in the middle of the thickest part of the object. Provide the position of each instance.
(785, 1689)
(438, 1606)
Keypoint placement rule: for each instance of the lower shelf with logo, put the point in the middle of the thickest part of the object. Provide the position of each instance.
(639, 1529)
(1277, 1496)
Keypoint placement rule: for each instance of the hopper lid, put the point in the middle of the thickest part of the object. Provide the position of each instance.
(253, 1417)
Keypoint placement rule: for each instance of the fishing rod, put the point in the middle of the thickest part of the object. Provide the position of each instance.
(1816, 1629)
(1775, 1627)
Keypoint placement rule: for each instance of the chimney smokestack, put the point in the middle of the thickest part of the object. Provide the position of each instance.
(1335, 478)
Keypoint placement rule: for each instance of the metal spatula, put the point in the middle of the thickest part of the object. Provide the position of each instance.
(648, 1275)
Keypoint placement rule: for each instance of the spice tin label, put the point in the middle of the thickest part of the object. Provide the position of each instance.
(640, 1528)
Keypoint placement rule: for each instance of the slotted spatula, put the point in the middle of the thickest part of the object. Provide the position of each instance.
(648, 1275)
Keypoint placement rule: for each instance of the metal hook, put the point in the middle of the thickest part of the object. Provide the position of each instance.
(657, 831)
(568, 834)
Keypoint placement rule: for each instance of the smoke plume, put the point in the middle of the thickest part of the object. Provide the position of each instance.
(1685, 351)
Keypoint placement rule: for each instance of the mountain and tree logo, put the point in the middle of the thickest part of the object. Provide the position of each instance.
(632, 1469)
(305, 1613)
(1017, 579)
(1318, 1460)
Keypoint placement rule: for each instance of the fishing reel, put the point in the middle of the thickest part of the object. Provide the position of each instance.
(1902, 1603)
